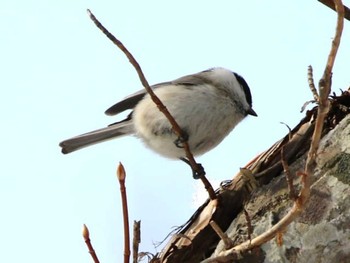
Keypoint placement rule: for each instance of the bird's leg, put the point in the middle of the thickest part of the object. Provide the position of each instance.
(181, 139)
(196, 173)
(197, 169)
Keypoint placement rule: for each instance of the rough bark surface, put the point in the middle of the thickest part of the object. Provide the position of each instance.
(322, 232)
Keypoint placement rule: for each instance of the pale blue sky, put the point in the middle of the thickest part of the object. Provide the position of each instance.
(59, 73)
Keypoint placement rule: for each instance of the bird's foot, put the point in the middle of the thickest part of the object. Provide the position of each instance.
(198, 171)
(181, 139)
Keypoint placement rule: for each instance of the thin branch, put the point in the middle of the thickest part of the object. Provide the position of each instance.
(325, 82)
(289, 179)
(176, 128)
(279, 239)
(325, 88)
(249, 224)
(310, 80)
(121, 178)
(87, 240)
(289, 130)
(223, 236)
(330, 4)
(136, 241)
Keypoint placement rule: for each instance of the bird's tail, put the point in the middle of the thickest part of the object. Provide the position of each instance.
(96, 136)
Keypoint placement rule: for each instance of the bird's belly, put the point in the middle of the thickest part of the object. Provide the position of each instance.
(206, 124)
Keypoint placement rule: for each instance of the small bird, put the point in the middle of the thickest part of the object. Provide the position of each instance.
(206, 105)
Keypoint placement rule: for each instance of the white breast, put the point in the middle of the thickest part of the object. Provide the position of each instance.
(204, 112)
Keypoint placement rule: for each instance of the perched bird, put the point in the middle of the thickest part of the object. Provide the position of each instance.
(206, 105)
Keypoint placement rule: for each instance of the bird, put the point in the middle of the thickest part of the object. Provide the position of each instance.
(206, 105)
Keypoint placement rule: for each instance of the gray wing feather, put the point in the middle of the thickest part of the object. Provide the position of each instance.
(93, 137)
(126, 104)
(195, 79)
(131, 101)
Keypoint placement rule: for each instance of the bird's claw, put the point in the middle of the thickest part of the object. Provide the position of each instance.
(199, 172)
(181, 139)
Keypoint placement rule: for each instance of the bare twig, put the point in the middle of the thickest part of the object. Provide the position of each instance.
(121, 178)
(310, 80)
(305, 105)
(300, 202)
(136, 241)
(279, 239)
(176, 128)
(289, 129)
(227, 241)
(324, 91)
(87, 240)
(292, 195)
(249, 224)
(330, 4)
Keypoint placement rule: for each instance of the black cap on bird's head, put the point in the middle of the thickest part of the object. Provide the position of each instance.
(247, 93)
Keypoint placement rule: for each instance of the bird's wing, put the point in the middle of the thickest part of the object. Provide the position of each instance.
(130, 101)
(193, 80)
(127, 103)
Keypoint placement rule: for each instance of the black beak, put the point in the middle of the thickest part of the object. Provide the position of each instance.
(252, 112)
